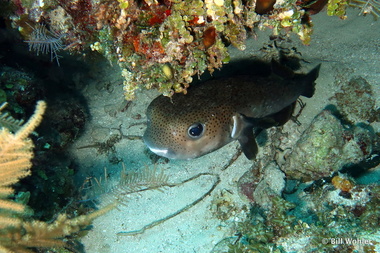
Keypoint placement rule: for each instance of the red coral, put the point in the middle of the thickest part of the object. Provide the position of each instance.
(154, 14)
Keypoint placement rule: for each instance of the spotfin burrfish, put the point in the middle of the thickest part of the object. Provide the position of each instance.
(219, 111)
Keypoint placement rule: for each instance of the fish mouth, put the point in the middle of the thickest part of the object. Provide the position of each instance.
(160, 151)
(167, 152)
(187, 151)
(164, 152)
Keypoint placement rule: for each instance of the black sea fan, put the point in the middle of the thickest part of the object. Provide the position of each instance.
(46, 41)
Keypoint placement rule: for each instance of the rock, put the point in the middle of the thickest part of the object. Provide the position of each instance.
(325, 147)
(260, 187)
(356, 102)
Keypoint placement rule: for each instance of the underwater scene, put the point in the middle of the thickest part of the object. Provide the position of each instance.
(206, 126)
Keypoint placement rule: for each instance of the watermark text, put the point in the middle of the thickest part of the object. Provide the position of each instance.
(347, 240)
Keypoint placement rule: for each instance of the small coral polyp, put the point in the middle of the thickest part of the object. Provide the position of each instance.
(145, 36)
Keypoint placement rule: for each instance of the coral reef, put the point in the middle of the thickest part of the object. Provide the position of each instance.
(272, 184)
(160, 44)
(288, 215)
(325, 147)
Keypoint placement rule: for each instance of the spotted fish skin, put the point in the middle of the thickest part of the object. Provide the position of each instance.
(219, 111)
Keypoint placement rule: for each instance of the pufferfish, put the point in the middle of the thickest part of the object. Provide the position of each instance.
(219, 111)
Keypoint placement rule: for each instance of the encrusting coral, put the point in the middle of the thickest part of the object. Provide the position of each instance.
(18, 232)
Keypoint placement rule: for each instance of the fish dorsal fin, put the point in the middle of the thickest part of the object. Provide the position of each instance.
(281, 70)
(284, 115)
(308, 81)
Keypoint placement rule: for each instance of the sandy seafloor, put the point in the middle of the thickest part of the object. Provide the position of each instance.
(351, 46)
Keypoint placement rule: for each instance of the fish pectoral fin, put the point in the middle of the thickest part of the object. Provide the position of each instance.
(273, 120)
(284, 115)
(281, 70)
(240, 122)
(248, 143)
(266, 122)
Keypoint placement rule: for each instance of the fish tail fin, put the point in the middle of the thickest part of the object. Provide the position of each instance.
(308, 81)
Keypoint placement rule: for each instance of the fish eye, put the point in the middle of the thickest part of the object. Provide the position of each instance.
(195, 130)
